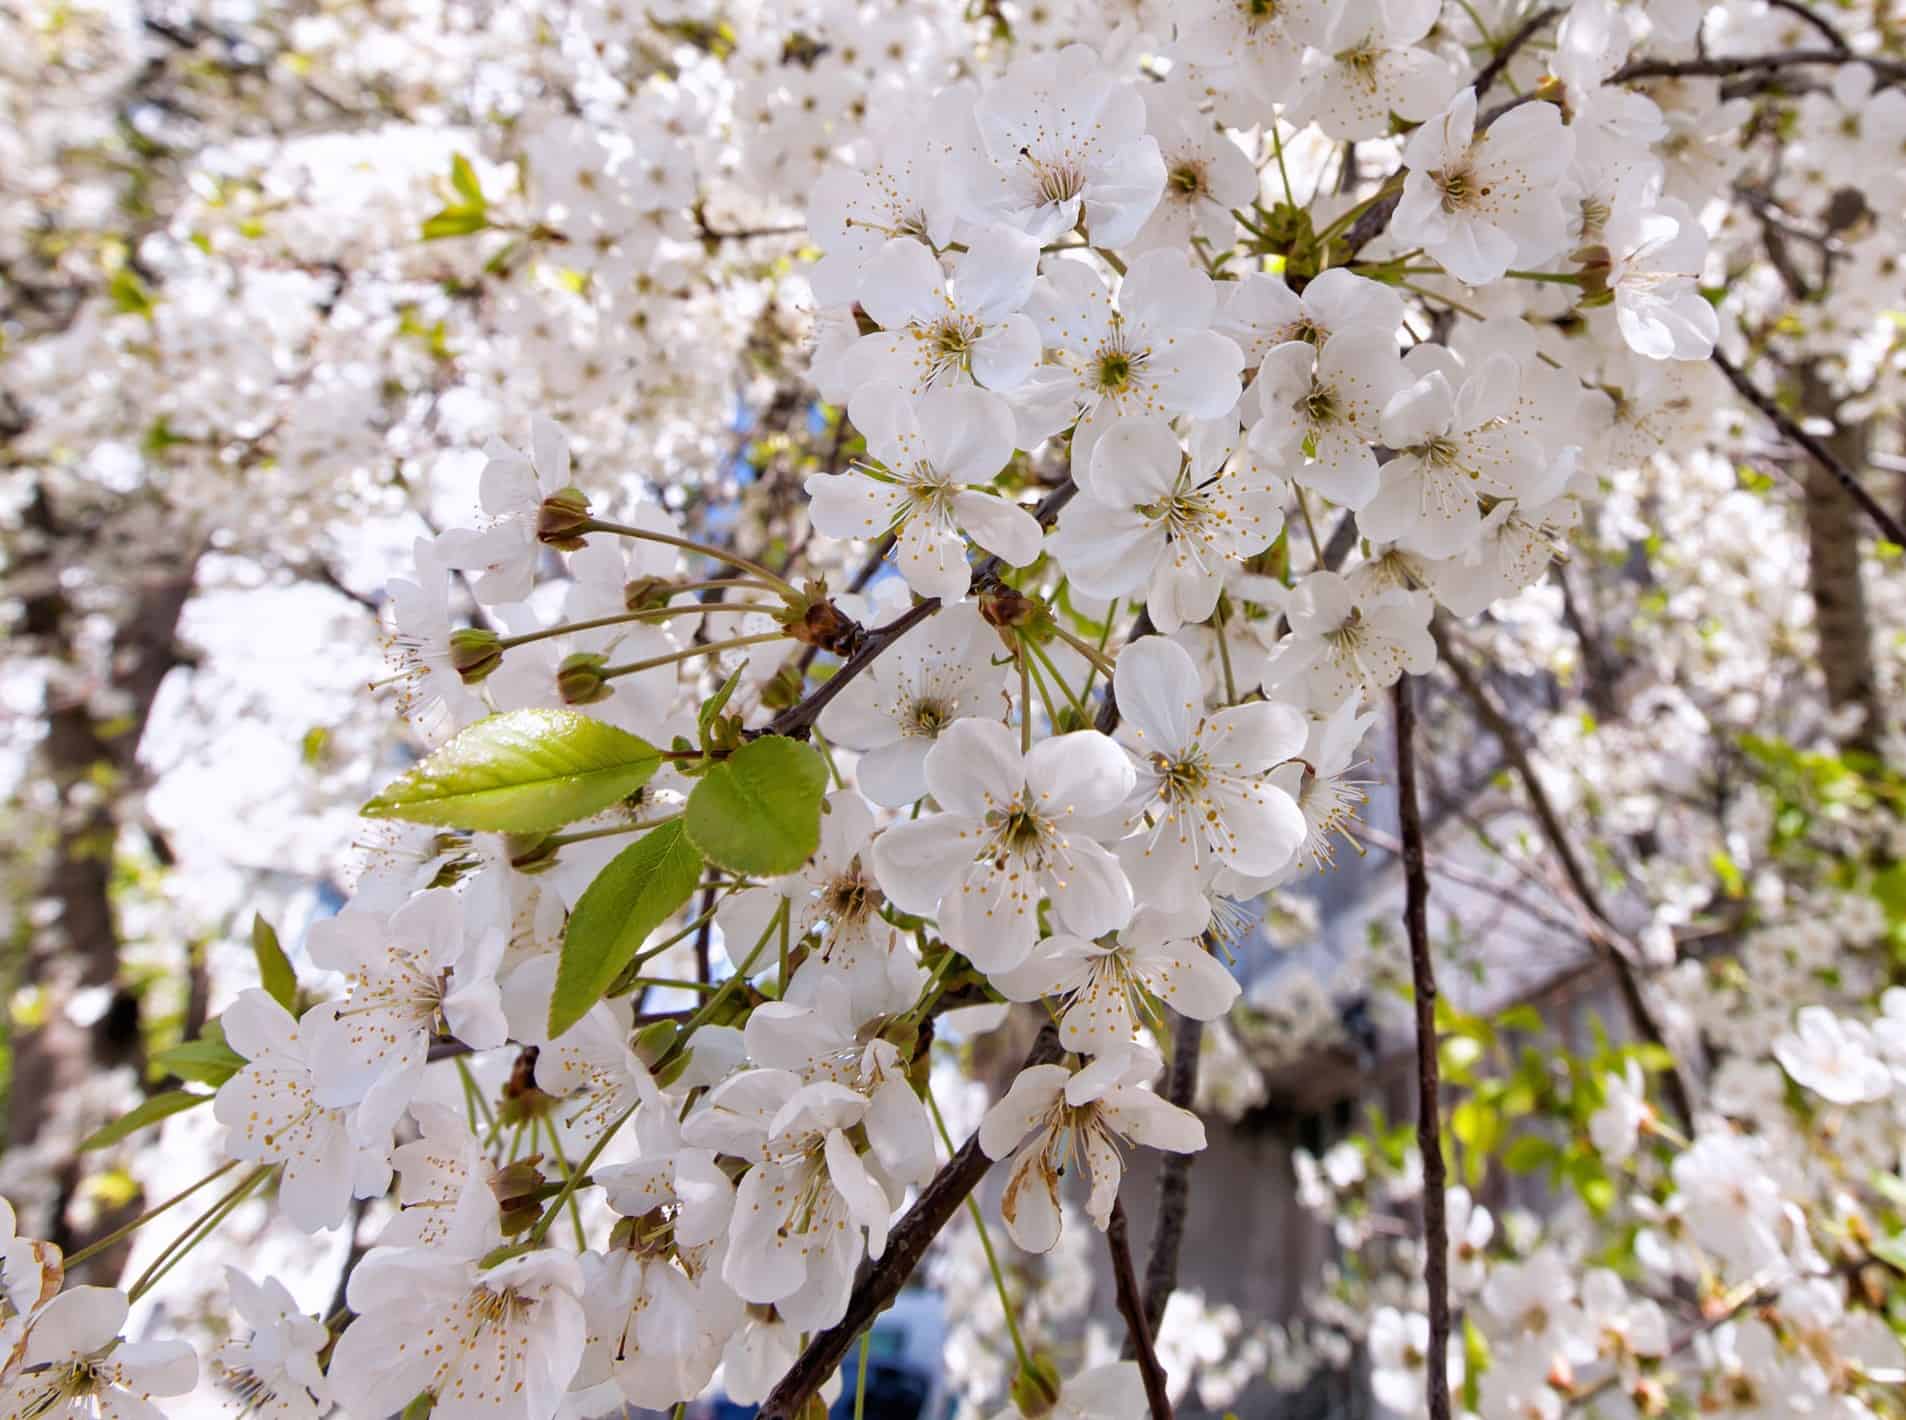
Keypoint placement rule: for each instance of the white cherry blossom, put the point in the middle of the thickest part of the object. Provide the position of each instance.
(931, 459)
(1012, 829)
(1055, 1117)
(1481, 203)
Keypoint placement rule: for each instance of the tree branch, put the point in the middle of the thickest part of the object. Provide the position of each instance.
(1138, 1331)
(1733, 66)
(1822, 26)
(1429, 1135)
(908, 1244)
(1816, 450)
(1506, 52)
(1611, 942)
(1174, 1182)
(797, 719)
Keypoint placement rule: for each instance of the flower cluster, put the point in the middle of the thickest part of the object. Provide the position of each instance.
(1124, 410)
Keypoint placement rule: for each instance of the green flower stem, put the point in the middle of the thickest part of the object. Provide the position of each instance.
(1389, 189)
(733, 559)
(93, 1250)
(986, 1243)
(714, 648)
(727, 989)
(1059, 680)
(624, 618)
(563, 840)
(860, 1384)
(202, 1228)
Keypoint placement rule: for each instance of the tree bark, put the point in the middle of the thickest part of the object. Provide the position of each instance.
(91, 764)
(1835, 580)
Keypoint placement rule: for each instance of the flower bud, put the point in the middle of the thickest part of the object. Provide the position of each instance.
(579, 679)
(475, 652)
(563, 519)
(1035, 1390)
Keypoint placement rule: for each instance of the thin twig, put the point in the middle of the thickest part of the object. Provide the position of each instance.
(1499, 62)
(1137, 1331)
(798, 718)
(1615, 945)
(912, 1235)
(1732, 66)
(1429, 1132)
(1107, 719)
(1790, 429)
(1822, 26)
(1174, 1181)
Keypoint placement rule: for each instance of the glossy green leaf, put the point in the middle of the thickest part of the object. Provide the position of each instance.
(524, 771)
(455, 222)
(205, 1061)
(464, 179)
(641, 888)
(759, 810)
(151, 1112)
(274, 967)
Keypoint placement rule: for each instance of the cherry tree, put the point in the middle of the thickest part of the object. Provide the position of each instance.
(903, 536)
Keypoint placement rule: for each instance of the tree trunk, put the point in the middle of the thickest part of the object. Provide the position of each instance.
(92, 765)
(1834, 578)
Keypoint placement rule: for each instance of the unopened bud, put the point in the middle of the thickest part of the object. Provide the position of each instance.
(563, 519)
(475, 652)
(1035, 1390)
(580, 681)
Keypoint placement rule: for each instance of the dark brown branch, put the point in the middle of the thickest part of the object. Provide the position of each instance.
(1174, 1182)
(1733, 66)
(1506, 52)
(1429, 1134)
(882, 1282)
(1816, 450)
(1107, 719)
(1138, 1331)
(797, 719)
(1822, 26)
(1610, 940)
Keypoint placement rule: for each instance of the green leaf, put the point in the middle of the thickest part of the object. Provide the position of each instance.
(759, 810)
(1527, 1153)
(464, 179)
(524, 771)
(205, 1061)
(1523, 1018)
(151, 1112)
(455, 222)
(274, 967)
(129, 293)
(640, 889)
(711, 709)
(1891, 1251)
